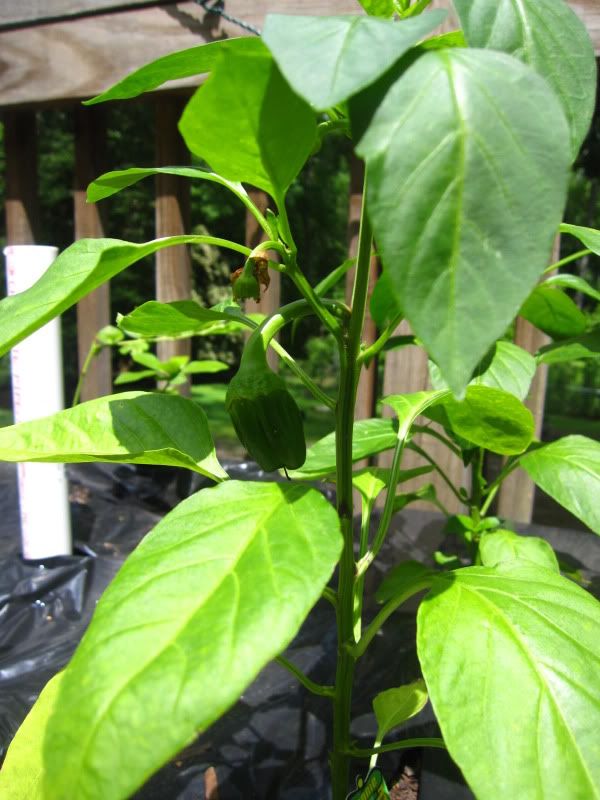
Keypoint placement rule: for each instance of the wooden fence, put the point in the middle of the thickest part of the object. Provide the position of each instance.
(69, 50)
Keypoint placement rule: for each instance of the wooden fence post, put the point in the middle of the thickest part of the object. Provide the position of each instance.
(271, 299)
(173, 264)
(22, 205)
(93, 311)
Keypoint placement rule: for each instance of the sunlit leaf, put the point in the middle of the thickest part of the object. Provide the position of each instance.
(503, 545)
(569, 471)
(395, 706)
(511, 657)
(371, 436)
(112, 182)
(175, 66)
(214, 592)
(132, 428)
(78, 270)
(489, 418)
(507, 367)
(22, 774)
(179, 319)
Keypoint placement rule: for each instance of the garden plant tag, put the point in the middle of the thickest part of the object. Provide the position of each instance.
(373, 787)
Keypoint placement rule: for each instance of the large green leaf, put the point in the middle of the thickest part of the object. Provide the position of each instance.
(511, 658)
(553, 312)
(586, 346)
(489, 418)
(112, 182)
(466, 190)
(507, 367)
(371, 436)
(22, 772)
(248, 124)
(569, 471)
(179, 319)
(215, 591)
(549, 36)
(78, 270)
(590, 237)
(502, 545)
(132, 428)
(323, 58)
(175, 66)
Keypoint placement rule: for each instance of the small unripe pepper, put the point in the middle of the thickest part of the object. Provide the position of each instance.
(265, 416)
(247, 280)
(245, 286)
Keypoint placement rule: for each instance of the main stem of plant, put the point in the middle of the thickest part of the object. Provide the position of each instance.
(349, 374)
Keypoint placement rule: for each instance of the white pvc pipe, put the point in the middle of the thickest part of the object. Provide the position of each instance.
(37, 391)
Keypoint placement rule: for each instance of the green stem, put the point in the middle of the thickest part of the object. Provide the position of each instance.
(296, 274)
(294, 367)
(370, 352)
(387, 513)
(91, 355)
(359, 648)
(438, 469)
(315, 688)
(284, 224)
(244, 197)
(476, 485)
(488, 501)
(263, 336)
(269, 244)
(330, 595)
(416, 8)
(349, 373)
(367, 510)
(316, 303)
(405, 744)
(567, 260)
(217, 242)
(509, 467)
(425, 429)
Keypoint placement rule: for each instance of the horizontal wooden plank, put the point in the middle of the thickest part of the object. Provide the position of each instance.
(79, 58)
(31, 12)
